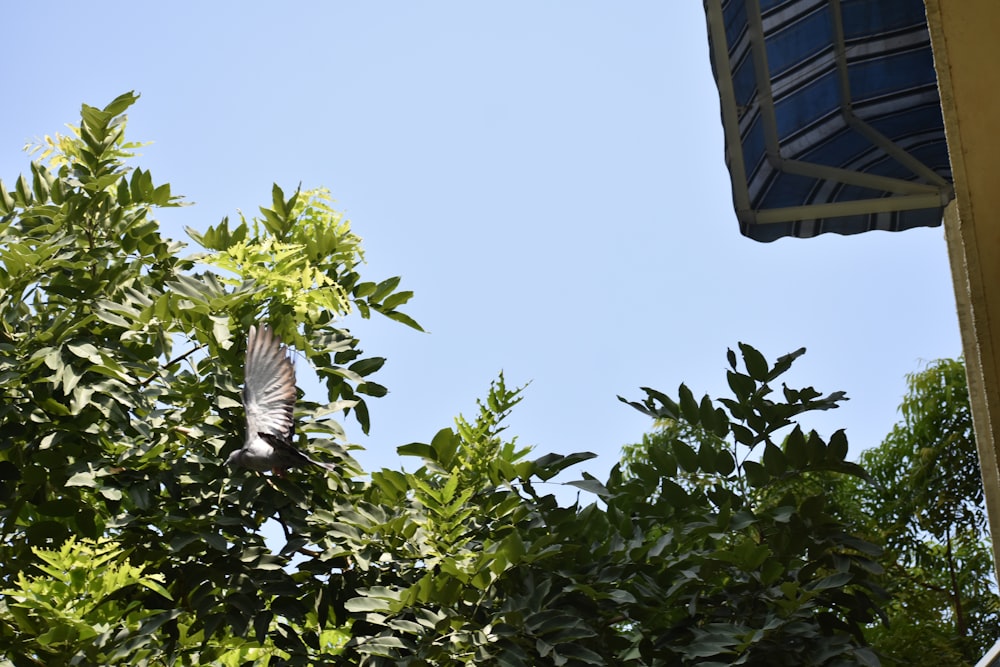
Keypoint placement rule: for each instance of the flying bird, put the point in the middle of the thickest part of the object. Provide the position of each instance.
(269, 400)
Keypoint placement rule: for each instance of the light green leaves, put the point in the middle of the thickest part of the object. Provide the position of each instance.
(303, 255)
(299, 263)
(75, 614)
(119, 365)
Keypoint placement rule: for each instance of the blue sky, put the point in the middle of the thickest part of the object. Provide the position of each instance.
(548, 177)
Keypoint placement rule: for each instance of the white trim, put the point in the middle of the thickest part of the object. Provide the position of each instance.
(992, 657)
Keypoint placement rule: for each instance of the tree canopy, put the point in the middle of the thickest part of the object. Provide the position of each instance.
(125, 540)
(921, 499)
(927, 509)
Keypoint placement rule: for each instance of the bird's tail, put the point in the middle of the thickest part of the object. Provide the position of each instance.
(321, 464)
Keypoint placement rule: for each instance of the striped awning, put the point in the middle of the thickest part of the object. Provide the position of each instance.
(831, 114)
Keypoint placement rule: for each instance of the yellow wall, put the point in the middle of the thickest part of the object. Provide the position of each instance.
(966, 40)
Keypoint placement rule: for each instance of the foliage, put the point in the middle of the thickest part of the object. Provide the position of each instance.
(927, 508)
(661, 574)
(120, 366)
(932, 454)
(757, 569)
(66, 608)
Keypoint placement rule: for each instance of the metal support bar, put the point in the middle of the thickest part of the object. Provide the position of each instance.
(758, 50)
(859, 178)
(899, 154)
(727, 94)
(841, 208)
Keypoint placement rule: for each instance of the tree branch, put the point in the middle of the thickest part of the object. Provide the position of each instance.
(170, 363)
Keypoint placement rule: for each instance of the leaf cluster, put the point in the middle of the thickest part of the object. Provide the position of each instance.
(68, 608)
(120, 367)
(738, 569)
(926, 508)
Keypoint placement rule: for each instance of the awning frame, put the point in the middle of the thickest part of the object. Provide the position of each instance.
(907, 195)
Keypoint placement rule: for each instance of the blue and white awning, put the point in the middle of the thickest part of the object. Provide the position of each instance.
(832, 115)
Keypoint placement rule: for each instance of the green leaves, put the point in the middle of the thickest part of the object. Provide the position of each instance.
(279, 219)
(300, 262)
(120, 366)
(459, 533)
(383, 298)
(120, 371)
(924, 503)
(731, 501)
(73, 614)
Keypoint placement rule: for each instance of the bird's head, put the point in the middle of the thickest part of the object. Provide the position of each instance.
(235, 459)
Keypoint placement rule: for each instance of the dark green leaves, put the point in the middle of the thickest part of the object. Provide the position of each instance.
(743, 386)
(687, 456)
(656, 404)
(755, 363)
(550, 465)
(837, 447)
(753, 418)
(741, 527)
(756, 473)
(383, 298)
(689, 407)
(124, 400)
(120, 364)
(774, 460)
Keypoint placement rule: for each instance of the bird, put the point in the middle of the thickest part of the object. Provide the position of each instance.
(269, 400)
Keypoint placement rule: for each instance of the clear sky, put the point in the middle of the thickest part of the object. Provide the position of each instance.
(548, 177)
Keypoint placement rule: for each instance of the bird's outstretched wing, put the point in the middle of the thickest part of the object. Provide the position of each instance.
(269, 401)
(268, 386)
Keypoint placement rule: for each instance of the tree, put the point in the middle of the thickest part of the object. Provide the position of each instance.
(120, 361)
(923, 502)
(927, 508)
(120, 367)
(756, 539)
